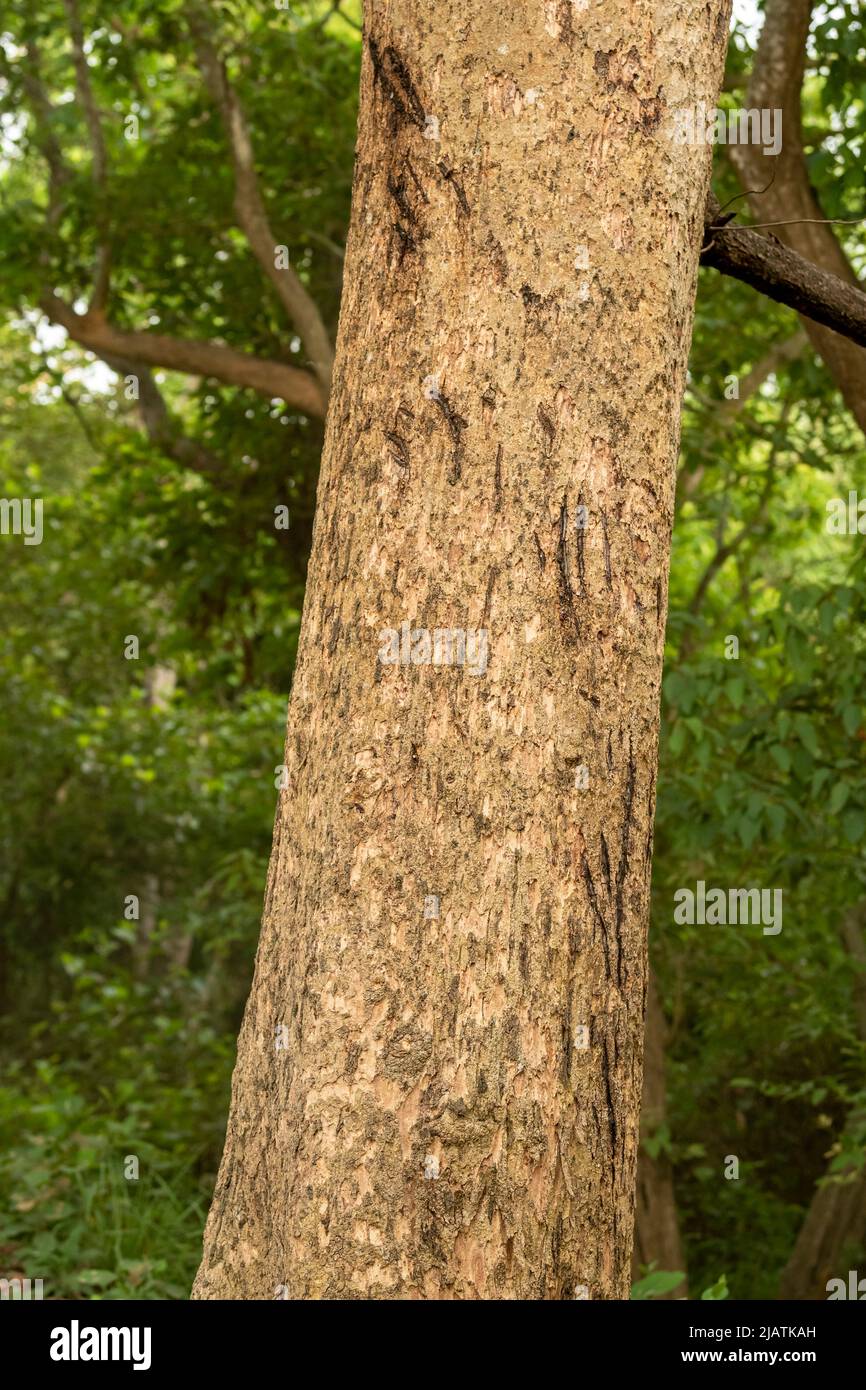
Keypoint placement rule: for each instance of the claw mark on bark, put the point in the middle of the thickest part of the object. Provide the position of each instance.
(597, 912)
(542, 558)
(611, 1112)
(401, 449)
(417, 183)
(407, 241)
(456, 425)
(605, 864)
(566, 1046)
(651, 812)
(391, 71)
(606, 538)
(275, 857)
(491, 580)
(397, 190)
(566, 593)
(497, 478)
(581, 543)
(548, 426)
(450, 177)
(609, 754)
(622, 868)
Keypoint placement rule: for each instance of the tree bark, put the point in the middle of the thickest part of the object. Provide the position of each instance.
(455, 1111)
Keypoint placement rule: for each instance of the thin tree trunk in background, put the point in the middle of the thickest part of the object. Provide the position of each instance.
(834, 1229)
(446, 1105)
(781, 191)
(656, 1228)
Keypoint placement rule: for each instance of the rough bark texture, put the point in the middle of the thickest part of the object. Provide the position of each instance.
(519, 289)
(776, 84)
(656, 1225)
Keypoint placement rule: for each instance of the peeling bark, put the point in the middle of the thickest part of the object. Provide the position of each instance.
(455, 1111)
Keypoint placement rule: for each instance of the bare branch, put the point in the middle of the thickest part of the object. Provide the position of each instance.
(293, 385)
(46, 140)
(783, 275)
(251, 214)
(84, 89)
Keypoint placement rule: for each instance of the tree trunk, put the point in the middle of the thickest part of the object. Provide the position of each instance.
(834, 1230)
(781, 192)
(453, 947)
(656, 1225)
(833, 1235)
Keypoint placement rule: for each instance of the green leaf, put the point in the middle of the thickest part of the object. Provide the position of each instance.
(838, 797)
(781, 757)
(660, 1281)
(716, 1292)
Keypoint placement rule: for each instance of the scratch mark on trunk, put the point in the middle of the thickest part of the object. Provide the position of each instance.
(497, 479)
(605, 864)
(456, 425)
(417, 183)
(491, 580)
(580, 546)
(542, 558)
(607, 572)
(597, 912)
(566, 593)
(622, 868)
(391, 71)
(401, 450)
(611, 1111)
(548, 427)
(450, 177)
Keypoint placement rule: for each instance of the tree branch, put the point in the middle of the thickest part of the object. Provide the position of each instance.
(788, 278)
(45, 139)
(84, 89)
(162, 430)
(298, 388)
(293, 385)
(250, 209)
